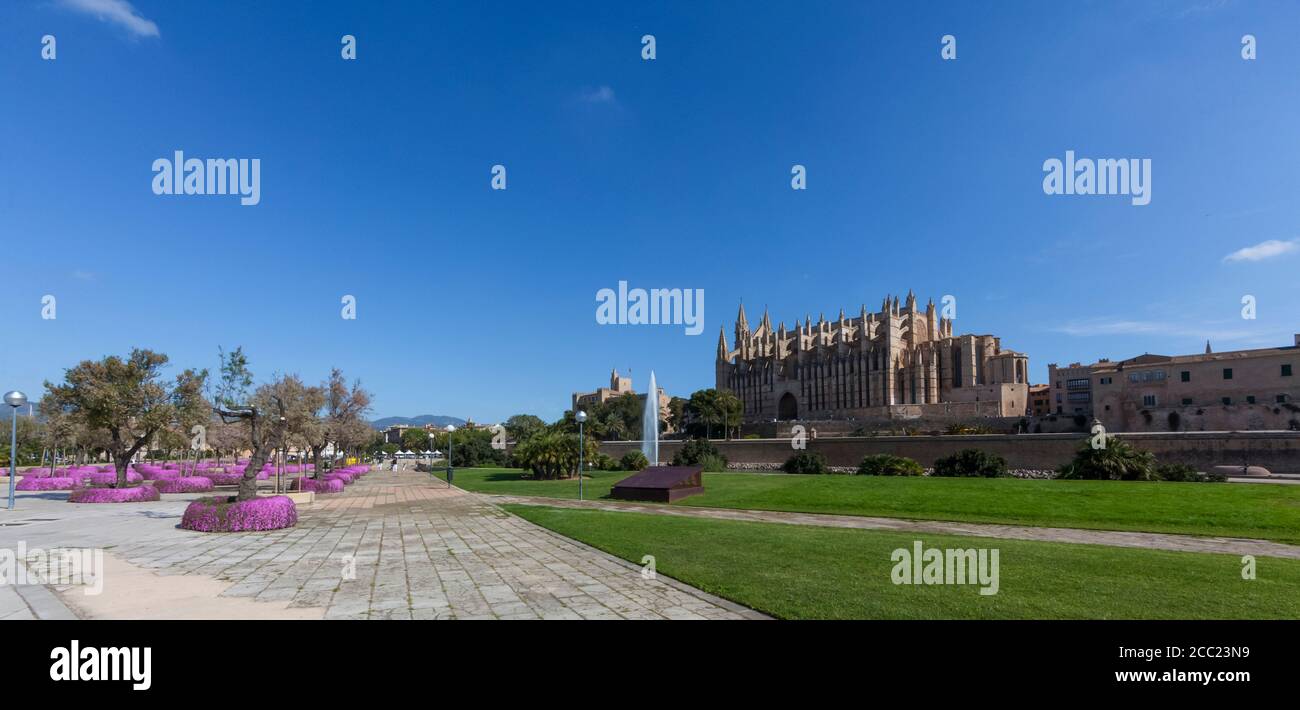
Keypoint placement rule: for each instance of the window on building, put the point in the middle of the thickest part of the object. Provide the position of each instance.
(1187, 401)
(1185, 376)
(1227, 373)
(1227, 400)
(1250, 399)
(1286, 370)
(1133, 377)
(1281, 399)
(1148, 400)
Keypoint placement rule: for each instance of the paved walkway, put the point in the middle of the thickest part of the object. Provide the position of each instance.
(1152, 541)
(393, 546)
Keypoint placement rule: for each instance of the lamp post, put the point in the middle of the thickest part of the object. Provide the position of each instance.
(450, 430)
(14, 399)
(581, 416)
(432, 447)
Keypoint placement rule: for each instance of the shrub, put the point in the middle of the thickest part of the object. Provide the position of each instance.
(633, 461)
(713, 463)
(806, 462)
(1117, 462)
(694, 451)
(48, 483)
(889, 465)
(971, 462)
(185, 484)
(138, 494)
(1189, 474)
(602, 462)
(225, 514)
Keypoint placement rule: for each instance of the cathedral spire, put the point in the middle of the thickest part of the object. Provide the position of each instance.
(1207, 348)
(741, 320)
(723, 353)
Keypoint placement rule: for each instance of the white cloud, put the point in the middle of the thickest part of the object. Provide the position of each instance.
(1264, 250)
(602, 95)
(119, 12)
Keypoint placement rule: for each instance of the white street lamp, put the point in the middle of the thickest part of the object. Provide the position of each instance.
(14, 399)
(450, 429)
(581, 416)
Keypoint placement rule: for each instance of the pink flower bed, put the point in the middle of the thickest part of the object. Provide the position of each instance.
(224, 514)
(328, 485)
(185, 484)
(103, 478)
(224, 479)
(160, 474)
(138, 494)
(47, 483)
(340, 476)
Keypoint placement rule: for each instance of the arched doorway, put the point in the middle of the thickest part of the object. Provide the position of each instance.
(787, 408)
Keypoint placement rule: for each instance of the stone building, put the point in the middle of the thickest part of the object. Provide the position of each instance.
(618, 386)
(1040, 400)
(1227, 391)
(899, 362)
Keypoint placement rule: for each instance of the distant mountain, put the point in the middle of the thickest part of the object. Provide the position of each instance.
(435, 419)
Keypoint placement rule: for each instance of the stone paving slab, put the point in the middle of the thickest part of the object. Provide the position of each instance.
(394, 545)
(1151, 541)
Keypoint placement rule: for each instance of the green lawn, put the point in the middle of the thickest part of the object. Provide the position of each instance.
(1254, 510)
(800, 572)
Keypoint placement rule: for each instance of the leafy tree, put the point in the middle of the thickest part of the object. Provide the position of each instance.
(677, 413)
(344, 422)
(523, 426)
(700, 452)
(129, 399)
(416, 440)
(264, 414)
(714, 408)
(31, 434)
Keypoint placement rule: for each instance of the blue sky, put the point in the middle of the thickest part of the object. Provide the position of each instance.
(922, 174)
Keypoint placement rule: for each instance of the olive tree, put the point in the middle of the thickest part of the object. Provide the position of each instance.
(130, 399)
